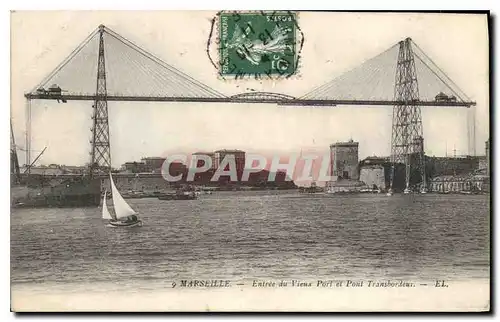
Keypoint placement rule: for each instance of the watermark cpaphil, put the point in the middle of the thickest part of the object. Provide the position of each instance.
(251, 167)
(258, 44)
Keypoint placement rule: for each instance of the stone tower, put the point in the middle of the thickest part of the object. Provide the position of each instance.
(344, 161)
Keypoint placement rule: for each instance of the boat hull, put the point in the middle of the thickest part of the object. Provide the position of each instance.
(177, 197)
(69, 193)
(118, 223)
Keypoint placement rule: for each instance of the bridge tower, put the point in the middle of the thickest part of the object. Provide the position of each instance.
(407, 133)
(100, 150)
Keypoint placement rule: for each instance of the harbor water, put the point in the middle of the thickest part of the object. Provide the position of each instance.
(242, 236)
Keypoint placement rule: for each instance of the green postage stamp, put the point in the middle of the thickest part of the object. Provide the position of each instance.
(258, 43)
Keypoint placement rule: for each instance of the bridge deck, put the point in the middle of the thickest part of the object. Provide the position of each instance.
(264, 100)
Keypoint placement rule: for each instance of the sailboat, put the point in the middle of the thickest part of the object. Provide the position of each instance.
(105, 212)
(124, 215)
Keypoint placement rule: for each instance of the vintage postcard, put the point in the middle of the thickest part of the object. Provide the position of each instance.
(277, 161)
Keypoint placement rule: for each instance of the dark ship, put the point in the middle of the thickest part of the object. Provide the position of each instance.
(35, 190)
(78, 191)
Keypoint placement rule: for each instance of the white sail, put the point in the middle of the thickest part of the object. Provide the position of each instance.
(105, 211)
(122, 209)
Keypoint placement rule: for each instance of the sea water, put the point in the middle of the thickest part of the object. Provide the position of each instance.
(248, 236)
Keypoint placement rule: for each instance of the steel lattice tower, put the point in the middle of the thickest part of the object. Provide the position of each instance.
(100, 154)
(407, 134)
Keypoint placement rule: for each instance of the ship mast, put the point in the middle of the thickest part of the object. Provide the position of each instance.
(14, 161)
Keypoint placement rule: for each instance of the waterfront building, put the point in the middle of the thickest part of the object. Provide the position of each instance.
(344, 161)
(344, 168)
(211, 155)
(153, 164)
(374, 176)
(239, 157)
(460, 183)
(135, 167)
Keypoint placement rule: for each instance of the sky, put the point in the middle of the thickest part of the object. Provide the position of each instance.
(333, 44)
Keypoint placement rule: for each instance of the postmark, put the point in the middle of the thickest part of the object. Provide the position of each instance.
(259, 45)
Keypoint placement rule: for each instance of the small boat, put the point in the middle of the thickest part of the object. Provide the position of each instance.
(124, 215)
(178, 196)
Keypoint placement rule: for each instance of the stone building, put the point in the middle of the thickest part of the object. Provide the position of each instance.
(483, 164)
(373, 176)
(200, 162)
(460, 165)
(137, 182)
(462, 183)
(239, 157)
(344, 161)
(153, 164)
(378, 171)
(135, 167)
